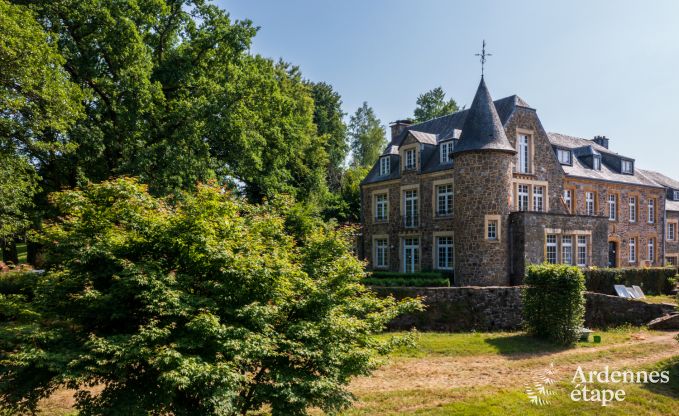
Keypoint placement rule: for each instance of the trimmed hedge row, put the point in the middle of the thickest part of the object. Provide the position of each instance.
(396, 279)
(653, 280)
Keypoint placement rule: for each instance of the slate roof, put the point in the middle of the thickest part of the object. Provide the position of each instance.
(584, 147)
(660, 179)
(482, 128)
(672, 205)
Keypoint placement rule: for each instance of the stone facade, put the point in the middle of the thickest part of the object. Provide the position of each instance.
(672, 242)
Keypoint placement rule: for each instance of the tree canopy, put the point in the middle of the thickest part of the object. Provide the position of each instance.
(433, 104)
(199, 304)
(367, 136)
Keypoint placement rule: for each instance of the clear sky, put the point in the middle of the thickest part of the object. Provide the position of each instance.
(589, 67)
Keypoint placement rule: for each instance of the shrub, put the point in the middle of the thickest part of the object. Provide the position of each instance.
(200, 304)
(653, 281)
(554, 302)
(419, 279)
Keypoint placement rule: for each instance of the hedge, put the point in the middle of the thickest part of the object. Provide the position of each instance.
(554, 302)
(653, 281)
(395, 279)
(18, 283)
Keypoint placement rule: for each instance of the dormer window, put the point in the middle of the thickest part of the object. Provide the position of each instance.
(676, 195)
(627, 167)
(385, 166)
(446, 152)
(411, 159)
(596, 162)
(565, 156)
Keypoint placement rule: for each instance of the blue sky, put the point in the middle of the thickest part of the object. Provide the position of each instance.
(588, 67)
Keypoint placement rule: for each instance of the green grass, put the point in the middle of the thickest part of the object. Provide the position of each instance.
(660, 299)
(433, 344)
(22, 252)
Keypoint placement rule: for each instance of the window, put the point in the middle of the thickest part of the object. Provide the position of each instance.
(538, 198)
(524, 154)
(523, 197)
(551, 249)
(381, 252)
(651, 211)
(492, 230)
(444, 251)
(627, 167)
(589, 203)
(632, 250)
(411, 208)
(612, 207)
(444, 199)
(632, 209)
(596, 162)
(565, 156)
(568, 199)
(385, 166)
(676, 195)
(411, 254)
(446, 152)
(651, 249)
(582, 250)
(567, 249)
(411, 159)
(672, 261)
(381, 207)
(671, 231)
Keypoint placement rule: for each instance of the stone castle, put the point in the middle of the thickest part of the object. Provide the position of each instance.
(482, 193)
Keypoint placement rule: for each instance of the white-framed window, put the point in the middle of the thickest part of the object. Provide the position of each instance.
(589, 203)
(567, 249)
(381, 252)
(524, 154)
(612, 207)
(385, 166)
(381, 207)
(627, 167)
(632, 209)
(676, 195)
(568, 199)
(411, 254)
(671, 231)
(565, 156)
(632, 250)
(539, 198)
(651, 211)
(444, 252)
(411, 208)
(582, 250)
(671, 260)
(492, 229)
(444, 199)
(551, 249)
(446, 152)
(523, 197)
(651, 249)
(411, 159)
(596, 162)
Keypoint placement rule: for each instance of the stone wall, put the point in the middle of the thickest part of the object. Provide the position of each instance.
(527, 230)
(461, 309)
(672, 247)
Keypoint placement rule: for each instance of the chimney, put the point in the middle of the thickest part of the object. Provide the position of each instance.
(601, 141)
(398, 126)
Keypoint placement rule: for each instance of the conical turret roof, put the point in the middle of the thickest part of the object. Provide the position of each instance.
(482, 129)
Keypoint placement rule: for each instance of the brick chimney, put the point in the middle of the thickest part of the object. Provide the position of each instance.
(601, 141)
(398, 126)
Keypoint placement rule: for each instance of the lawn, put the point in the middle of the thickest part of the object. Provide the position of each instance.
(661, 299)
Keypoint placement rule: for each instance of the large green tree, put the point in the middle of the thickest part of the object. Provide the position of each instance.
(173, 96)
(367, 136)
(433, 104)
(197, 305)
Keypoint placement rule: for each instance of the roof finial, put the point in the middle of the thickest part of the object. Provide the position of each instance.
(483, 56)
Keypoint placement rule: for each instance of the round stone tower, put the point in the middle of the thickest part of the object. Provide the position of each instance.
(482, 167)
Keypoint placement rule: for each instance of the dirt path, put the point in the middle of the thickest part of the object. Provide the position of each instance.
(515, 370)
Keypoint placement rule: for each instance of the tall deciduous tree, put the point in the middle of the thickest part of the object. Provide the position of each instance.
(433, 104)
(367, 135)
(201, 305)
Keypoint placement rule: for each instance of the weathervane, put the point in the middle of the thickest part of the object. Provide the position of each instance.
(483, 56)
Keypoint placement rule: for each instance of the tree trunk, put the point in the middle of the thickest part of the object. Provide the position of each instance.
(9, 251)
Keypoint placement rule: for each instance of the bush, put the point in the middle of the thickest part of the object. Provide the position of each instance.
(653, 281)
(554, 302)
(18, 283)
(395, 279)
(197, 304)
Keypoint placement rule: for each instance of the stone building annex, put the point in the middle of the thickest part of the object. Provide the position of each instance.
(483, 192)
